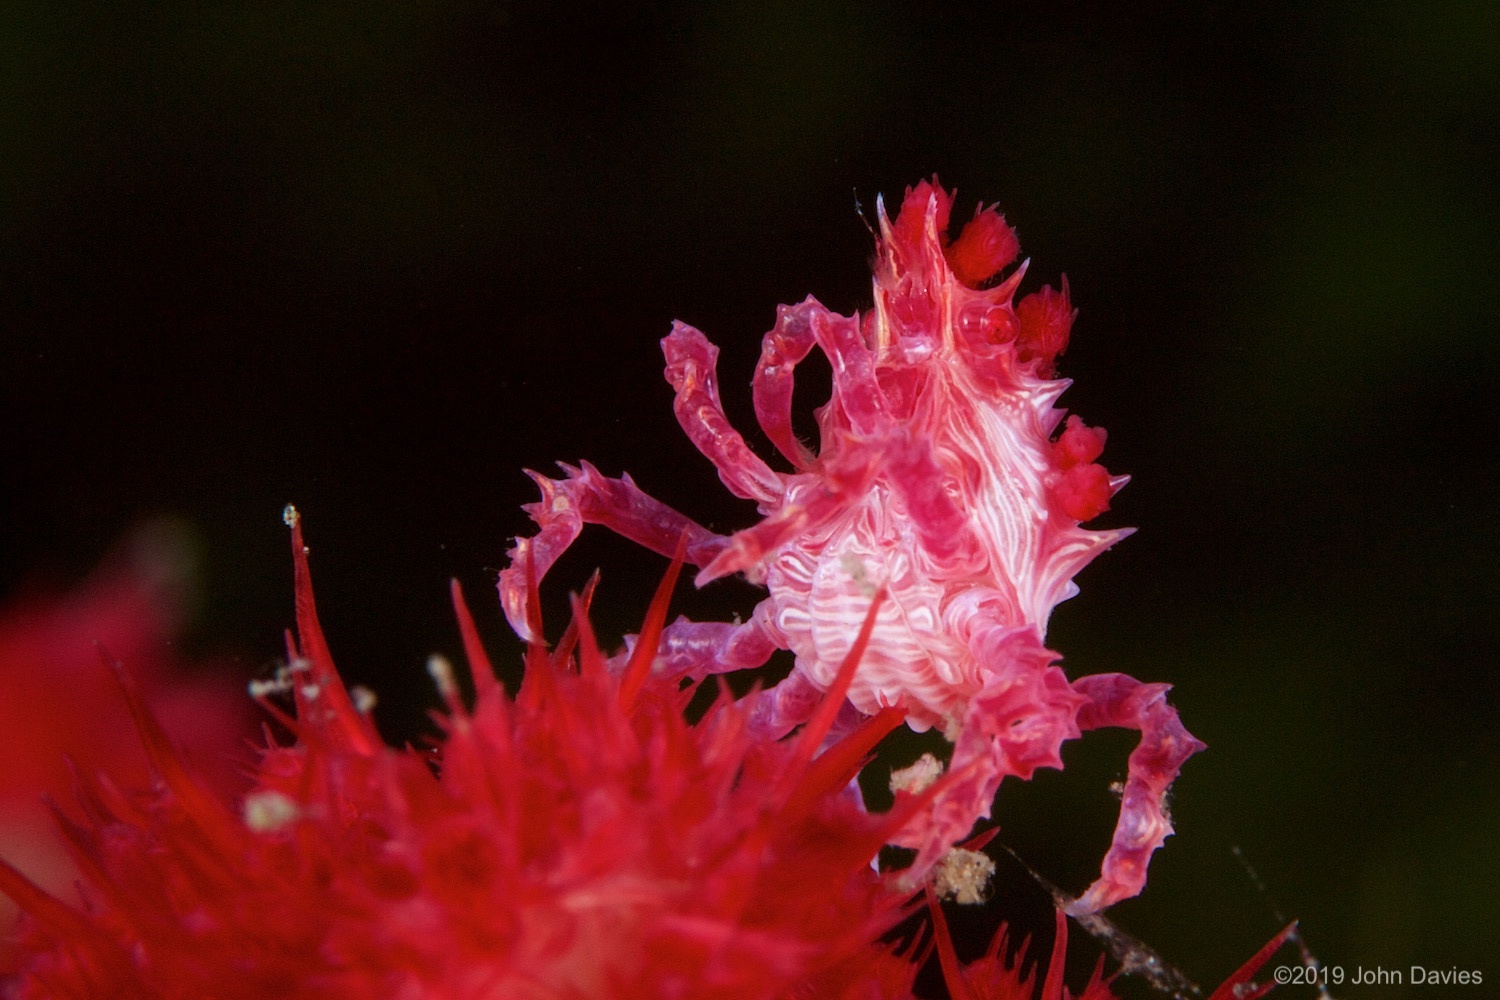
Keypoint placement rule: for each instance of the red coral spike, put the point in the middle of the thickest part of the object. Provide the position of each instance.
(1238, 986)
(537, 681)
(342, 721)
(590, 662)
(569, 640)
(480, 668)
(56, 916)
(981, 840)
(840, 763)
(822, 718)
(639, 665)
(953, 976)
(164, 758)
(1052, 986)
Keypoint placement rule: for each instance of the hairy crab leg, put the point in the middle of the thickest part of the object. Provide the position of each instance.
(584, 496)
(692, 364)
(1118, 700)
(788, 343)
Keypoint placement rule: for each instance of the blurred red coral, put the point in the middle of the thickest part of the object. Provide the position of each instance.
(583, 839)
(60, 704)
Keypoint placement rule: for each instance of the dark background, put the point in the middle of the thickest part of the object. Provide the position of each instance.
(374, 258)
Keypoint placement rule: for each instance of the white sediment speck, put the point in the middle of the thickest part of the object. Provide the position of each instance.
(269, 810)
(916, 778)
(963, 876)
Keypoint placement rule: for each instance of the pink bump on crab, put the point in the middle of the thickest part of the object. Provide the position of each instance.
(943, 479)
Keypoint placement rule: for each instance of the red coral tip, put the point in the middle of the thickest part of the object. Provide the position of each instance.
(986, 245)
(913, 215)
(1046, 320)
(1083, 491)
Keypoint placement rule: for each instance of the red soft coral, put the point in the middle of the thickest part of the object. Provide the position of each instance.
(995, 975)
(580, 840)
(59, 705)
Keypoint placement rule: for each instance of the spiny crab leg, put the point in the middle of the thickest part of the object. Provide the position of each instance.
(691, 368)
(1118, 700)
(584, 496)
(1015, 723)
(787, 344)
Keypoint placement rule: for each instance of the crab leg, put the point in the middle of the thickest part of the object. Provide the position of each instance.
(584, 496)
(691, 368)
(944, 526)
(787, 344)
(856, 391)
(1118, 700)
(1015, 723)
(809, 506)
(697, 649)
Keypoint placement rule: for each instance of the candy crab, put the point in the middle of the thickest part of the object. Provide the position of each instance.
(940, 491)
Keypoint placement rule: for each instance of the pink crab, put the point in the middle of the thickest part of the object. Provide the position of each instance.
(939, 482)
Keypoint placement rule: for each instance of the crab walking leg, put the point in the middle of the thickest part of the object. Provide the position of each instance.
(786, 706)
(809, 506)
(1015, 723)
(584, 496)
(692, 364)
(788, 343)
(1118, 700)
(856, 391)
(944, 526)
(697, 649)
